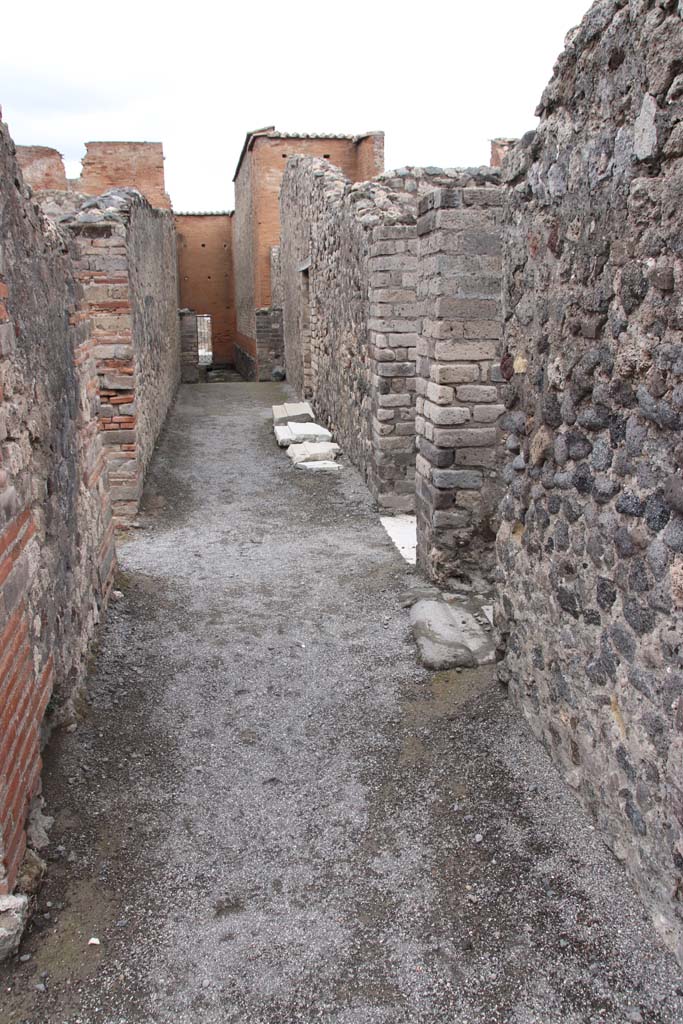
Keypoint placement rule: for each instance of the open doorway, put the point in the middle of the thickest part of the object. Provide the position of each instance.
(204, 342)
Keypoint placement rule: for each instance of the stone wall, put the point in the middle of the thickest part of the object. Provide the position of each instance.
(127, 265)
(352, 315)
(591, 547)
(269, 344)
(56, 537)
(205, 275)
(189, 347)
(458, 405)
(327, 226)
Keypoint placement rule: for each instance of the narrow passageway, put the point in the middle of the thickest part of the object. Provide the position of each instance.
(270, 814)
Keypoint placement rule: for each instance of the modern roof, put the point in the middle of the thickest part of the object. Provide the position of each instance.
(272, 133)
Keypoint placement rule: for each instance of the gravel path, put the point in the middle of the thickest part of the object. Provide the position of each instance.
(269, 814)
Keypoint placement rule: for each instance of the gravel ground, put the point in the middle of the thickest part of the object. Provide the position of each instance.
(270, 814)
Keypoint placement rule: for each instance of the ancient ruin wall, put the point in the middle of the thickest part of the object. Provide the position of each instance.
(349, 270)
(42, 167)
(56, 540)
(189, 347)
(205, 274)
(156, 331)
(591, 548)
(127, 264)
(458, 406)
(244, 242)
(327, 233)
(139, 165)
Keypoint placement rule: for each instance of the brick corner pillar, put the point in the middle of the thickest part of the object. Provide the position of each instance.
(458, 383)
(393, 328)
(189, 346)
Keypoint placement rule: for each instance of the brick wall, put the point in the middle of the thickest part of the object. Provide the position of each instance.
(139, 165)
(42, 167)
(56, 539)
(257, 216)
(458, 405)
(205, 274)
(591, 547)
(127, 265)
(106, 165)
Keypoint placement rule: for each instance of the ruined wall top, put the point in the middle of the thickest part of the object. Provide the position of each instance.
(106, 165)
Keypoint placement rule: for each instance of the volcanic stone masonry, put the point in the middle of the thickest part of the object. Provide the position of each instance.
(591, 547)
(56, 534)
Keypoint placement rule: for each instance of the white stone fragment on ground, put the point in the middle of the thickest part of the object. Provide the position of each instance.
(403, 531)
(308, 432)
(292, 412)
(283, 435)
(322, 466)
(449, 636)
(13, 917)
(313, 451)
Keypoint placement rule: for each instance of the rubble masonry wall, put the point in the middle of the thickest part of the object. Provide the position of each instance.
(591, 547)
(56, 536)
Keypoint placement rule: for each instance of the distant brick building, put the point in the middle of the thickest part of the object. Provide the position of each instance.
(257, 222)
(205, 275)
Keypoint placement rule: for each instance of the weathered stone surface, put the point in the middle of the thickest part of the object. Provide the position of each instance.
(313, 451)
(308, 432)
(13, 917)
(294, 412)
(319, 466)
(56, 537)
(449, 636)
(594, 360)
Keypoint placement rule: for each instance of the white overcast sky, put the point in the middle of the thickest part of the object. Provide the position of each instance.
(440, 80)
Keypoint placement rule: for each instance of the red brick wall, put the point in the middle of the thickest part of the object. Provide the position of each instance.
(137, 165)
(42, 167)
(205, 273)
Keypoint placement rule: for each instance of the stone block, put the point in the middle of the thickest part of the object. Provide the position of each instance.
(447, 415)
(294, 412)
(477, 393)
(474, 437)
(439, 395)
